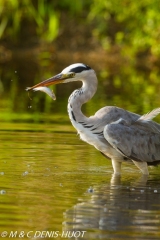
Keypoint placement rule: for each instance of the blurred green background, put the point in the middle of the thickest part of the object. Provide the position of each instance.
(38, 38)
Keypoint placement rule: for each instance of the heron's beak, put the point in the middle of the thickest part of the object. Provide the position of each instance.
(59, 78)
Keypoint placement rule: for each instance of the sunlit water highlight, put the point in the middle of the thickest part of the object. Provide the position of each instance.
(52, 181)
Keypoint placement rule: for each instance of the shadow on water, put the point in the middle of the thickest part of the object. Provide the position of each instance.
(118, 210)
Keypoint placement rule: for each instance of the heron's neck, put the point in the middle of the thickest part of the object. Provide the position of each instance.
(79, 97)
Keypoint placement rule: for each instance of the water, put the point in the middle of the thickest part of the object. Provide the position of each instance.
(51, 181)
(118, 210)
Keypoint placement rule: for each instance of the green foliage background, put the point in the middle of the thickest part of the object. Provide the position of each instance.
(119, 39)
(133, 25)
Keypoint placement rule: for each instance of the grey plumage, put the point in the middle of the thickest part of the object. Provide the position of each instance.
(116, 133)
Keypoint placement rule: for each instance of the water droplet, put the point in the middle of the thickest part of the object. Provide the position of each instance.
(2, 192)
(142, 191)
(29, 106)
(155, 191)
(15, 71)
(1, 173)
(90, 190)
(25, 173)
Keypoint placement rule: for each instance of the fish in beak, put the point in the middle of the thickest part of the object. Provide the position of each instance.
(50, 81)
(42, 86)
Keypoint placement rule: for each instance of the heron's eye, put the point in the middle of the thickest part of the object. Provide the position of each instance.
(72, 74)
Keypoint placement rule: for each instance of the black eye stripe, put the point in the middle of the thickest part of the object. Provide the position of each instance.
(79, 69)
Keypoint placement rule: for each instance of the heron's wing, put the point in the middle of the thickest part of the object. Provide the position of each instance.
(133, 141)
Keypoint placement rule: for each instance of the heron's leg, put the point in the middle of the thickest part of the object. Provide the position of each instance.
(142, 166)
(116, 166)
(115, 179)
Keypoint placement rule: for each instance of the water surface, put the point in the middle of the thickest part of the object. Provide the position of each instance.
(52, 181)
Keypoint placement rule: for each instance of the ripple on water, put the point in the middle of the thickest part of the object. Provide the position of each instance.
(51, 177)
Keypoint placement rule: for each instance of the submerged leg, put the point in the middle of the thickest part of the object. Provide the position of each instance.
(142, 166)
(115, 179)
(116, 166)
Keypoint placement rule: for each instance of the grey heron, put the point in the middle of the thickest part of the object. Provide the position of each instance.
(118, 134)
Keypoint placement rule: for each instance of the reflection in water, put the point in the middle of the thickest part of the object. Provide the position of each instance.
(44, 170)
(118, 210)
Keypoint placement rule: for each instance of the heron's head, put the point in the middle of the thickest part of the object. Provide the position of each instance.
(74, 72)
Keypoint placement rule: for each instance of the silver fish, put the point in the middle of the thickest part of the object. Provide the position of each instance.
(44, 89)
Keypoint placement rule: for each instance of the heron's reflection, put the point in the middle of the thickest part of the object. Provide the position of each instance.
(117, 209)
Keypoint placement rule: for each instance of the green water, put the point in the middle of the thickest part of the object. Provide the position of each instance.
(52, 181)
